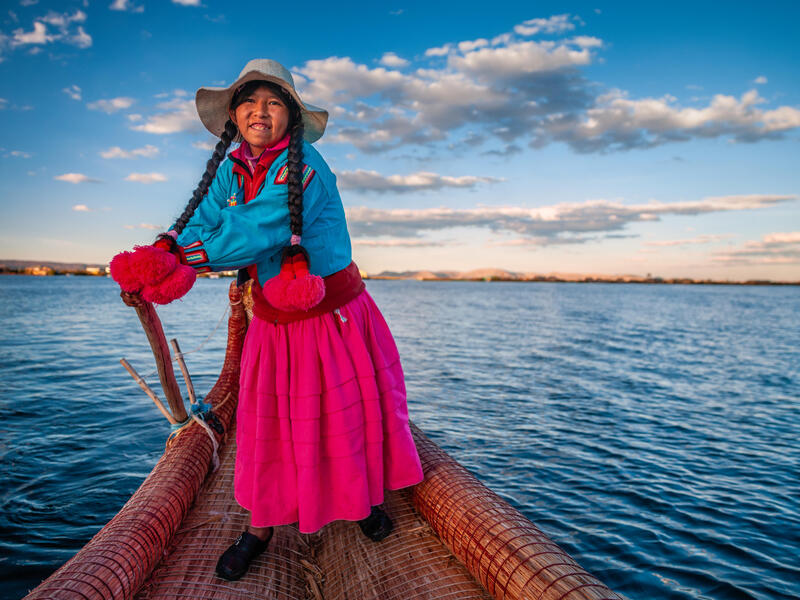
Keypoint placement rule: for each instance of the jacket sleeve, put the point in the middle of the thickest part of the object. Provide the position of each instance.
(232, 237)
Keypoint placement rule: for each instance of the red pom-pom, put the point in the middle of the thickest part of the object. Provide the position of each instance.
(151, 264)
(174, 286)
(307, 291)
(294, 288)
(122, 273)
(276, 291)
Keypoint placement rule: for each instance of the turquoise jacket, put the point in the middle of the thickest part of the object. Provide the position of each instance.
(226, 233)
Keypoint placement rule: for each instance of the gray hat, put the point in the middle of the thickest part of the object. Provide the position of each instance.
(213, 103)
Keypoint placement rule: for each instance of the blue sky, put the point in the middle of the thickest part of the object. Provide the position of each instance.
(538, 137)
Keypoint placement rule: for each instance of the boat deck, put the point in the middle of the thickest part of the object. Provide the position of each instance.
(336, 563)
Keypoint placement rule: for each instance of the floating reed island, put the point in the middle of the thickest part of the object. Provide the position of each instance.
(453, 538)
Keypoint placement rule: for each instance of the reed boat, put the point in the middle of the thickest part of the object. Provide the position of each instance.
(453, 539)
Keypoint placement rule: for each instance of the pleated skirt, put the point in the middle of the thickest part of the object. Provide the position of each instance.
(322, 420)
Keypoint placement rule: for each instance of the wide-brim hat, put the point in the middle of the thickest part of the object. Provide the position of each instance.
(213, 103)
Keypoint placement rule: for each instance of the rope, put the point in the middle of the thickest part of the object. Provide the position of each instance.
(200, 409)
(200, 347)
(197, 414)
(210, 335)
(221, 404)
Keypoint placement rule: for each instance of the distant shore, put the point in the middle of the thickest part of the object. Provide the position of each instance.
(599, 279)
(52, 268)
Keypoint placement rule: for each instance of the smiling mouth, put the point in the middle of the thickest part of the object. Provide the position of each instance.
(260, 126)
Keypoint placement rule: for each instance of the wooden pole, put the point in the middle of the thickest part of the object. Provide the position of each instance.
(184, 370)
(147, 389)
(158, 342)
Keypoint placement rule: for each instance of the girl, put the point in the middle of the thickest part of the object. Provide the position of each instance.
(322, 422)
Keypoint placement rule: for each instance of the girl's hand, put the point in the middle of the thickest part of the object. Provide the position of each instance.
(132, 299)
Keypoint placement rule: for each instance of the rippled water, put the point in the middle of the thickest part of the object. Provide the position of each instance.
(650, 430)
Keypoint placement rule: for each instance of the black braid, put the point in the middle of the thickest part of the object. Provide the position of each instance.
(295, 177)
(211, 169)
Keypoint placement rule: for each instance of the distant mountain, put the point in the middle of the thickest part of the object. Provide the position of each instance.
(448, 275)
(486, 274)
(489, 274)
(503, 275)
(416, 275)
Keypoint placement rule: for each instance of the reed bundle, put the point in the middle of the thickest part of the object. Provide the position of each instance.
(454, 538)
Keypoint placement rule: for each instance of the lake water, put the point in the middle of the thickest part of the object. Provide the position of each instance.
(651, 431)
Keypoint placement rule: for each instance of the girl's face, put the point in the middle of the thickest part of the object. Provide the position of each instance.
(262, 119)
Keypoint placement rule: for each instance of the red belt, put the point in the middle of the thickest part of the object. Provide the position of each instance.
(340, 288)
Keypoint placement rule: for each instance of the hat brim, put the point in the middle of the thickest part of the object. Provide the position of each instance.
(212, 106)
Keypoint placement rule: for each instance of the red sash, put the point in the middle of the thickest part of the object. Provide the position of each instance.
(340, 288)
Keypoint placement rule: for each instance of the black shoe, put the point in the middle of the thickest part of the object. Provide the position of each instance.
(235, 561)
(377, 525)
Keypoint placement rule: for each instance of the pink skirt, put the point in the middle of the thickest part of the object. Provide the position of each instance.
(322, 421)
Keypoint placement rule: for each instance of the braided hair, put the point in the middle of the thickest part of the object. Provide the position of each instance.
(294, 162)
(211, 169)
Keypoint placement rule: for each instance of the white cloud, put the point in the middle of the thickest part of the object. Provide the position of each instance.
(62, 20)
(700, 239)
(177, 93)
(73, 92)
(147, 151)
(150, 226)
(181, 116)
(19, 154)
(514, 90)
(81, 39)
(146, 177)
(372, 181)
(390, 59)
(126, 5)
(771, 249)
(28, 2)
(81, 208)
(507, 88)
(64, 23)
(340, 78)
(760, 80)
(792, 237)
(566, 223)
(75, 178)
(204, 145)
(503, 38)
(37, 36)
(111, 105)
(439, 51)
(620, 123)
(586, 41)
(396, 243)
(554, 24)
(3, 103)
(187, 2)
(520, 58)
(472, 45)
